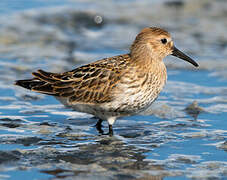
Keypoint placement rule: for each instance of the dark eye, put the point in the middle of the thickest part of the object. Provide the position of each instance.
(164, 41)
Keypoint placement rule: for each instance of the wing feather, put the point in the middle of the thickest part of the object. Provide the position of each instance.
(91, 83)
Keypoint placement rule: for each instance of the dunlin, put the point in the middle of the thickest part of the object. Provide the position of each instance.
(113, 87)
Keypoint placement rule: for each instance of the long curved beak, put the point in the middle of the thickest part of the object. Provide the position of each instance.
(176, 52)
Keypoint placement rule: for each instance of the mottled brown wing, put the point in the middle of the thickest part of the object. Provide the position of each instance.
(90, 83)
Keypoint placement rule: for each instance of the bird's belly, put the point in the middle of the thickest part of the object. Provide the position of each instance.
(117, 108)
(138, 102)
(98, 110)
(136, 94)
(132, 102)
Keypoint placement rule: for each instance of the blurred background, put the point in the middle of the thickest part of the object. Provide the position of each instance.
(182, 136)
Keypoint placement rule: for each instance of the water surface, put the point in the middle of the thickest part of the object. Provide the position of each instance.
(182, 136)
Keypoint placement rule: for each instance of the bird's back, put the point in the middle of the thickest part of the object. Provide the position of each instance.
(91, 83)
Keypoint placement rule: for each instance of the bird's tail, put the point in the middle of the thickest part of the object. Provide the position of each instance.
(29, 83)
(42, 83)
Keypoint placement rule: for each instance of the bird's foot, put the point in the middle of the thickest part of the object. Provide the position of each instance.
(101, 132)
(99, 128)
(110, 133)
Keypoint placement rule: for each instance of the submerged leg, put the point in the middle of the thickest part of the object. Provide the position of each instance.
(99, 126)
(110, 130)
(111, 121)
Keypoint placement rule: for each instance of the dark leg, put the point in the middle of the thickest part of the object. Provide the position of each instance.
(99, 126)
(110, 130)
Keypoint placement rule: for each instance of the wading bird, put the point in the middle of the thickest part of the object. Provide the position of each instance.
(116, 86)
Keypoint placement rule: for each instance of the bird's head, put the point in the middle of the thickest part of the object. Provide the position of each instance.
(156, 43)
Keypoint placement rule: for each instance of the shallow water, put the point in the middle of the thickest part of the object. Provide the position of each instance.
(182, 136)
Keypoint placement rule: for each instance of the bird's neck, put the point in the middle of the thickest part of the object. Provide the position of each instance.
(146, 62)
(143, 54)
(145, 59)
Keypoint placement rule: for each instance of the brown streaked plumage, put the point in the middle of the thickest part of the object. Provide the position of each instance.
(113, 87)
